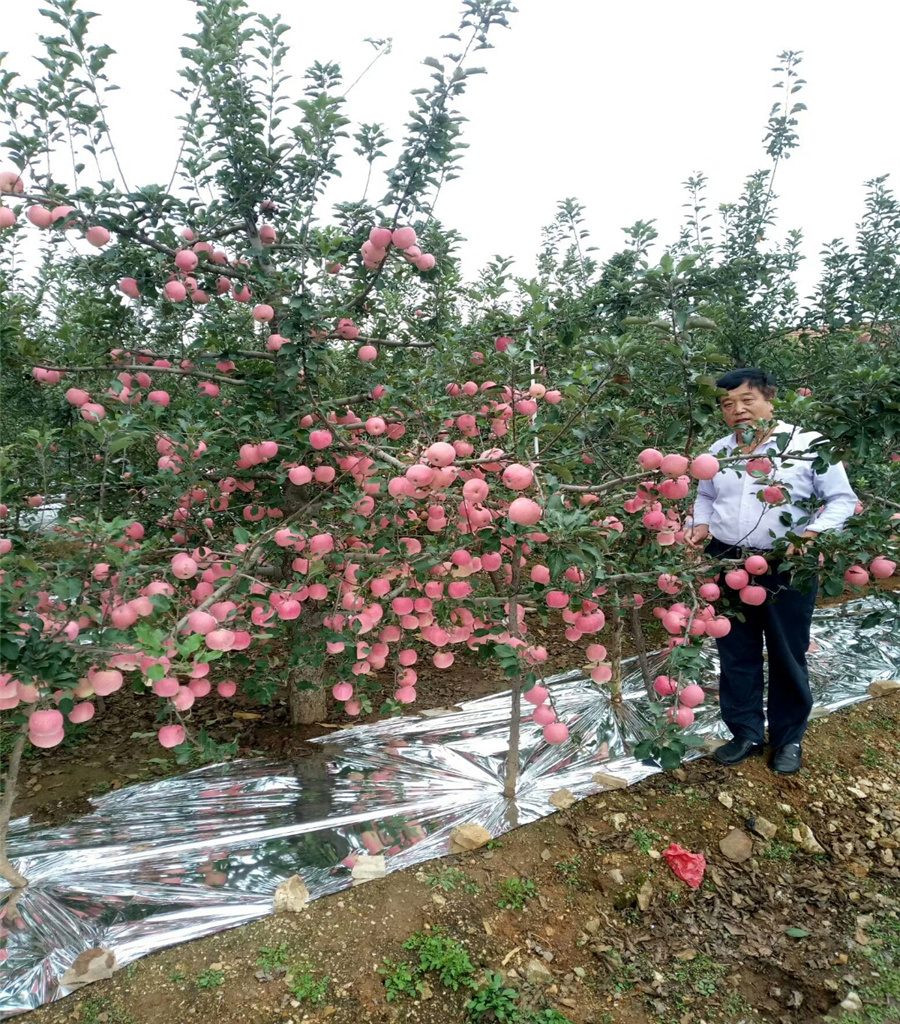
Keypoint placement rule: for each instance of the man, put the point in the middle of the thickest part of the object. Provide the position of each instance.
(729, 515)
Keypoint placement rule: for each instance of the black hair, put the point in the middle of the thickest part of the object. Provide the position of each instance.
(761, 380)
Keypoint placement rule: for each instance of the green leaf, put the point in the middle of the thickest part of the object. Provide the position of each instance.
(669, 759)
(9, 651)
(122, 443)
(796, 933)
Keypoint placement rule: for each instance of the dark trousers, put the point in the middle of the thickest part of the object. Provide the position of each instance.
(784, 621)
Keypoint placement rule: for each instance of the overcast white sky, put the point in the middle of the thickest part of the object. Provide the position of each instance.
(613, 103)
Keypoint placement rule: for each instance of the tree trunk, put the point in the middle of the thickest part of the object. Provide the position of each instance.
(512, 756)
(641, 646)
(615, 684)
(306, 705)
(7, 871)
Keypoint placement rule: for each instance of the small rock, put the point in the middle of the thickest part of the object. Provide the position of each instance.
(219, 966)
(617, 876)
(537, 973)
(726, 800)
(439, 900)
(292, 895)
(468, 837)
(644, 896)
(92, 965)
(882, 687)
(852, 1004)
(785, 808)
(592, 926)
(563, 799)
(426, 992)
(609, 781)
(803, 835)
(737, 846)
(368, 868)
(618, 821)
(830, 985)
(546, 854)
(763, 827)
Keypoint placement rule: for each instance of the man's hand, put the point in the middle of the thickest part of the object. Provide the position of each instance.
(798, 549)
(696, 535)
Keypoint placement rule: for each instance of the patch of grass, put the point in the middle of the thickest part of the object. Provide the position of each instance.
(515, 893)
(493, 1001)
(304, 986)
(273, 957)
(645, 838)
(96, 1006)
(494, 844)
(872, 758)
(210, 979)
(674, 896)
(449, 879)
(568, 869)
(177, 977)
(702, 974)
(779, 851)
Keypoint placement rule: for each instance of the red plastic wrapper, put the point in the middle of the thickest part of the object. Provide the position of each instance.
(689, 867)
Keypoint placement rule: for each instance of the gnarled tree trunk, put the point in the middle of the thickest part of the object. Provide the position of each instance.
(306, 705)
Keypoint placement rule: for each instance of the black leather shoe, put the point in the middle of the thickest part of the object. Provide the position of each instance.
(788, 759)
(736, 750)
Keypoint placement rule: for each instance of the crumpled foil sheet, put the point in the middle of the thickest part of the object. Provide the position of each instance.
(163, 862)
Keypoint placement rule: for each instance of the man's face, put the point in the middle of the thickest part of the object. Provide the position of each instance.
(745, 407)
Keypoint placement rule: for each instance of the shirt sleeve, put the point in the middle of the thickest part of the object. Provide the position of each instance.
(703, 504)
(834, 489)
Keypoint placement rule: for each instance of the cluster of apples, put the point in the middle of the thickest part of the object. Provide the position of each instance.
(375, 249)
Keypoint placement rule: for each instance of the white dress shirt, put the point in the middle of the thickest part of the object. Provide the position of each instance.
(729, 505)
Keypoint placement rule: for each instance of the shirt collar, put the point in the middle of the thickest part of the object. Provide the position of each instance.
(781, 427)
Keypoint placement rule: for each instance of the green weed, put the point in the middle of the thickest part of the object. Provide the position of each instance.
(448, 958)
(515, 893)
(97, 1009)
(645, 838)
(304, 986)
(493, 1001)
(779, 851)
(449, 879)
(273, 957)
(399, 980)
(438, 953)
